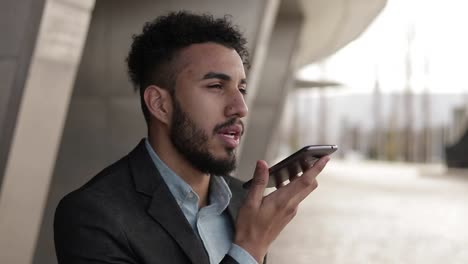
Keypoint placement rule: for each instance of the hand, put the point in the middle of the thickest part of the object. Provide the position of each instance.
(261, 219)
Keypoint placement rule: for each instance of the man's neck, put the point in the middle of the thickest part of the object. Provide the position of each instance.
(183, 168)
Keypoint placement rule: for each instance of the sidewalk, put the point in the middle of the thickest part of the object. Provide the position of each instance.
(371, 212)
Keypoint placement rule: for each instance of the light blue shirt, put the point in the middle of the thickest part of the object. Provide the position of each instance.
(211, 223)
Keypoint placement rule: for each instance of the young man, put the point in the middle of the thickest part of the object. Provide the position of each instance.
(171, 200)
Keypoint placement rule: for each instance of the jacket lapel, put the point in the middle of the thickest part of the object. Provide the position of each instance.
(163, 207)
(165, 210)
(238, 196)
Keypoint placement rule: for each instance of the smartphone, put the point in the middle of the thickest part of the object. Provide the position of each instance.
(293, 164)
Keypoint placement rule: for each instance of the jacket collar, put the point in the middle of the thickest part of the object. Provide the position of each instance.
(163, 208)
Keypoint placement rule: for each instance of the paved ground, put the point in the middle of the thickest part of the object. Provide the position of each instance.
(365, 212)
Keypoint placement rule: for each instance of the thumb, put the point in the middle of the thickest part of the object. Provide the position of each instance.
(259, 183)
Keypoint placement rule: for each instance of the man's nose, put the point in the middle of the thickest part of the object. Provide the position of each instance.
(236, 105)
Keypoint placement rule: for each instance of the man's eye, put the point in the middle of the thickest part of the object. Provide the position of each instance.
(216, 86)
(243, 91)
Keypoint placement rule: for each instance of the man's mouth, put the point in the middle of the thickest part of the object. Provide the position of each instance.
(230, 135)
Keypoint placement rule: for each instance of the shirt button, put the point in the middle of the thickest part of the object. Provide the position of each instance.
(190, 195)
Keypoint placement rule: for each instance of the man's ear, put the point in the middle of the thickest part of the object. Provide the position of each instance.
(159, 103)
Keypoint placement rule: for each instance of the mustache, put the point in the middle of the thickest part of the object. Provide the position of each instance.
(229, 122)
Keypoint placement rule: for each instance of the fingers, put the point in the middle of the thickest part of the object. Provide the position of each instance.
(306, 164)
(305, 184)
(318, 166)
(293, 172)
(259, 183)
(279, 183)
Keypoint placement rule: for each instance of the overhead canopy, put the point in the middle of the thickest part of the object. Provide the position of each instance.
(330, 25)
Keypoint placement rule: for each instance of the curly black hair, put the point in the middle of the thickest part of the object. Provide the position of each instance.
(152, 51)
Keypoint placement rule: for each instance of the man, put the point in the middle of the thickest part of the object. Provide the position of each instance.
(170, 199)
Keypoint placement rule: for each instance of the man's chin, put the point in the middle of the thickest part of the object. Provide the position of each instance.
(224, 164)
(227, 154)
(225, 159)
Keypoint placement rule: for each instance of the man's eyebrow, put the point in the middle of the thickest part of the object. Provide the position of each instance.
(217, 75)
(221, 76)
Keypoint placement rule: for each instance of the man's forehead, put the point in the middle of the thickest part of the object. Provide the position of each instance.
(202, 59)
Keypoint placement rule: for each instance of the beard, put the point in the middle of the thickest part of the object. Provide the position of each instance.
(192, 142)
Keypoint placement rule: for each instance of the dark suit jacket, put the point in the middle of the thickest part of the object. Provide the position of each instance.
(126, 214)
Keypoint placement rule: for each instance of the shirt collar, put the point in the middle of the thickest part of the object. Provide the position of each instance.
(219, 195)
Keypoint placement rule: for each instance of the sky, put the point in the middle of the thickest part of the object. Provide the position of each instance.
(438, 50)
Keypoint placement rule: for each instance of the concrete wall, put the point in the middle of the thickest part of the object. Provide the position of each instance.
(19, 24)
(39, 121)
(104, 119)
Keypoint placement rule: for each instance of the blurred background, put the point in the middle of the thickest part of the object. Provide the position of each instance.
(384, 80)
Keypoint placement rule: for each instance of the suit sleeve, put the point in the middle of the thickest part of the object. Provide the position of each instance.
(87, 232)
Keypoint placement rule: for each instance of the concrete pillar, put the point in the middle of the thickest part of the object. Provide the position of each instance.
(19, 24)
(38, 128)
(275, 82)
